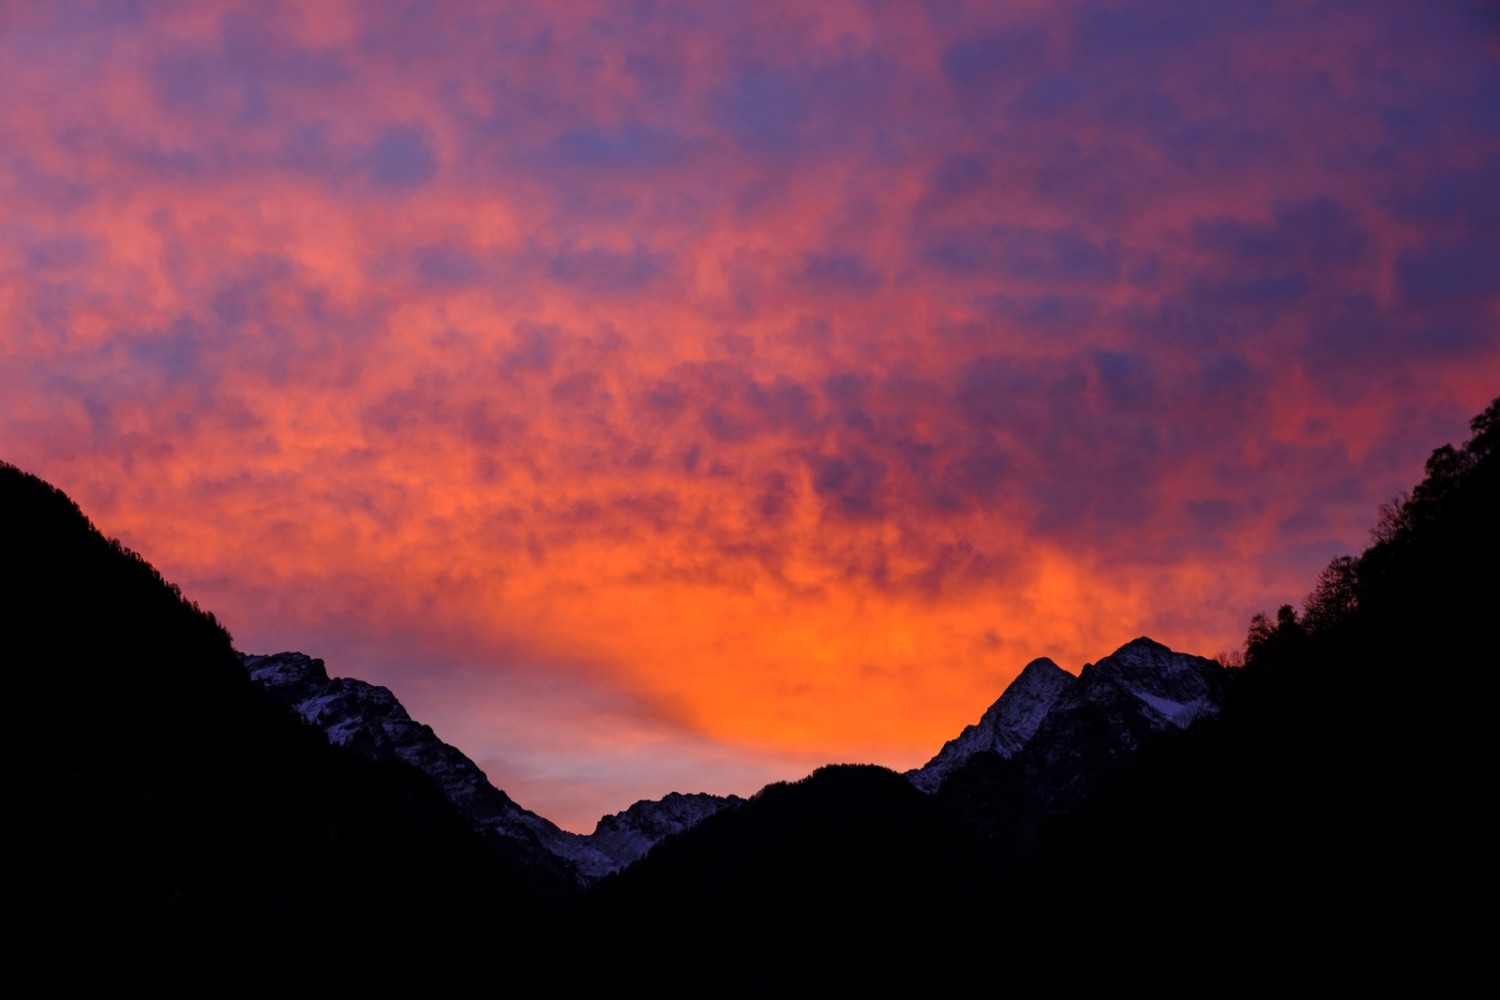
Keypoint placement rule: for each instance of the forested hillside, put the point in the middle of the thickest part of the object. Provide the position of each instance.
(164, 813)
(1334, 808)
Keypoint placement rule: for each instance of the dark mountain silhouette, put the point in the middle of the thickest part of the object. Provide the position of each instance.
(859, 876)
(827, 882)
(1158, 818)
(166, 814)
(1048, 743)
(1086, 740)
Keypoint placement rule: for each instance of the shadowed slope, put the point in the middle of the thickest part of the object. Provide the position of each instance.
(171, 813)
(807, 883)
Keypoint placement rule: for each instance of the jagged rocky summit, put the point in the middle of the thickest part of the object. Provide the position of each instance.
(371, 721)
(1050, 717)
(1005, 727)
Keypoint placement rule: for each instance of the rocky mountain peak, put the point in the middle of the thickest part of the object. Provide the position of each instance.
(1176, 687)
(371, 721)
(1005, 727)
(1140, 688)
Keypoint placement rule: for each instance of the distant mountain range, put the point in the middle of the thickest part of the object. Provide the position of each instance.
(1067, 734)
(369, 720)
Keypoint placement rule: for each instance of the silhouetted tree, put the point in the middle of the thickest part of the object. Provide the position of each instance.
(1335, 598)
(1268, 642)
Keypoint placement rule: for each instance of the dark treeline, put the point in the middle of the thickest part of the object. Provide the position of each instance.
(1330, 815)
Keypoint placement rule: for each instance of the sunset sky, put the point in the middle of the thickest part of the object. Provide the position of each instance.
(679, 396)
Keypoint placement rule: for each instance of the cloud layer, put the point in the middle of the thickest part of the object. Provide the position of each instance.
(667, 395)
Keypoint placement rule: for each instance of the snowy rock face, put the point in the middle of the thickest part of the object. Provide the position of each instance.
(627, 836)
(1175, 688)
(1060, 729)
(1006, 727)
(371, 721)
(1061, 732)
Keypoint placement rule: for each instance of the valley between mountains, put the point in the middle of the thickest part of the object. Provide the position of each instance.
(1066, 735)
(177, 809)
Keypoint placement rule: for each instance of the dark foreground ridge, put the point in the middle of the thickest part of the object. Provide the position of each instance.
(167, 816)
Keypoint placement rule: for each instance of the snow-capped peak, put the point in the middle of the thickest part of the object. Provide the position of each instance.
(1005, 727)
(1176, 687)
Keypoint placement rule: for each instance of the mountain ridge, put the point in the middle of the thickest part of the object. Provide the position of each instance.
(1006, 725)
(1081, 726)
(1170, 690)
(370, 720)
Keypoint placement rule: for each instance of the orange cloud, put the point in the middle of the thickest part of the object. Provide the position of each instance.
(743, 387)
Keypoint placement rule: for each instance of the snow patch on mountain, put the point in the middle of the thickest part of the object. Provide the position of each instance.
(1177, 687)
